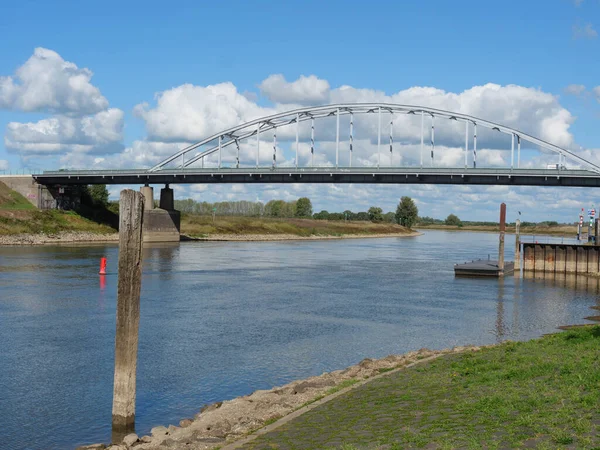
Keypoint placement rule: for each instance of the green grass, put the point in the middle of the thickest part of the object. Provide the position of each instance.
(203, 226)
(12, 200)
(49, 222)
(538, 394)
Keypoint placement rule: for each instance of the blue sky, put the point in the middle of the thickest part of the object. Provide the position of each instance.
(138, 50)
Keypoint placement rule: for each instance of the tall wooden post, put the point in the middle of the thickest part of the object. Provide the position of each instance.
(502, 231)
(517, 247)
(131, 213)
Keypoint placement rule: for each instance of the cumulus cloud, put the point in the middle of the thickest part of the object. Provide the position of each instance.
(100, 132)
(141, 154)
(190, 113)
(585, 31)
(48, 83)
(575, 89)
(3, 164)
(304, 91)
(596, 91)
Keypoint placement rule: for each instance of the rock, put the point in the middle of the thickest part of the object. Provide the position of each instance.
(159, 431)
(92, 447)
(146, 439)
(185, 423)
(218, 429)
(130, 439)
(171, 429)
(208, 408)
(305, 385)
(116, 447)
(367, 362)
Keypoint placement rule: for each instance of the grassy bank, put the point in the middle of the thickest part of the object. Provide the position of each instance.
(47, 222)
(19, 216)
(11, 200)
(538, 394)
(203, 226)
(559, 230)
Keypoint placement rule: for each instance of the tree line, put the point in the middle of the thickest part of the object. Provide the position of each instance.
(406, 213)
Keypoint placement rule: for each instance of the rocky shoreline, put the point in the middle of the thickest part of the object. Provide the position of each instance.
(70, 237)
(224, 422)
(81, 237)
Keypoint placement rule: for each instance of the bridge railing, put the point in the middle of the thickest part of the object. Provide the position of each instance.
(330, 169)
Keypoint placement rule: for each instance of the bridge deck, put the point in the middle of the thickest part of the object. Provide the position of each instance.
(365, 175)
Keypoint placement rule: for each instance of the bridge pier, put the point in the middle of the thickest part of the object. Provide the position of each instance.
(160, 224)
(167, 199)
(148, 193)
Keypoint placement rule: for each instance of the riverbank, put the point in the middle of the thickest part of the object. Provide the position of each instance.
(545, 230)
(541, 393)
(75, 237)
(65, 237)
(215, 425)
(293, 237)
(248, 228)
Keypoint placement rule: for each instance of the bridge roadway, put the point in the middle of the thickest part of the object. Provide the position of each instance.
(364, 175)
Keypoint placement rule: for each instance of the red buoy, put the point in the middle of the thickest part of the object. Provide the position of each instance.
(102, 266)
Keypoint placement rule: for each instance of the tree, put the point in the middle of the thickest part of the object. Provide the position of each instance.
(363, 215)
(389, 217)
(453, 220)
(98, 194)
(375, 214)
(323, 215)
(303, 207)
(426, 220)
(407, 212)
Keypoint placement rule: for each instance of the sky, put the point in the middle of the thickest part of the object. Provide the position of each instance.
(126, 84)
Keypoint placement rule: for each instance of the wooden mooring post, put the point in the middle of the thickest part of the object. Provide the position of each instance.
(131, 213)
(501, 243)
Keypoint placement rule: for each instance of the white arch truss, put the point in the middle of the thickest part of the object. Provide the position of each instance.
(256, 127)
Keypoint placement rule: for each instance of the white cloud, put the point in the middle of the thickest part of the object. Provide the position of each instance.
(100, 132)
(575, 89)
(48, 83)
(596, 91)
(3, 164)
(191, 113)
(140, 155)
(585, 31)
(304, 91)
(530, 110)
(578, 2)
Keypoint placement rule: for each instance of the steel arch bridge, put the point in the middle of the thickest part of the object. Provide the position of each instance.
(188, 165)
(218, 142)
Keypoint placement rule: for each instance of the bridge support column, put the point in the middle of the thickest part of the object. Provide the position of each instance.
(148, 193)
(164, 223)
(167, 200)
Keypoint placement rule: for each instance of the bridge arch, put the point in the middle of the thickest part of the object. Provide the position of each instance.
(254, 128)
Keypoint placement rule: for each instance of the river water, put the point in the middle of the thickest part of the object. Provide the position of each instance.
(222, 319)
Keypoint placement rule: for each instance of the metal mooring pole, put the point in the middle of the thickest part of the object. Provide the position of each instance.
(131, 213)
(502, 230)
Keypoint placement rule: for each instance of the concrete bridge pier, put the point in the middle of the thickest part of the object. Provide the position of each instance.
(160, 224)
(167, 199)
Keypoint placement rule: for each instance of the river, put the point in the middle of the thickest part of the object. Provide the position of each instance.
(222, 319)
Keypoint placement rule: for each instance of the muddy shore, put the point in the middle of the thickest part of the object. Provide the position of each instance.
(224, 422)
(91, 238)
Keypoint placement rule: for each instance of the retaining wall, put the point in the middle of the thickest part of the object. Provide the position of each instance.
(561, 258)
(38, 195)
